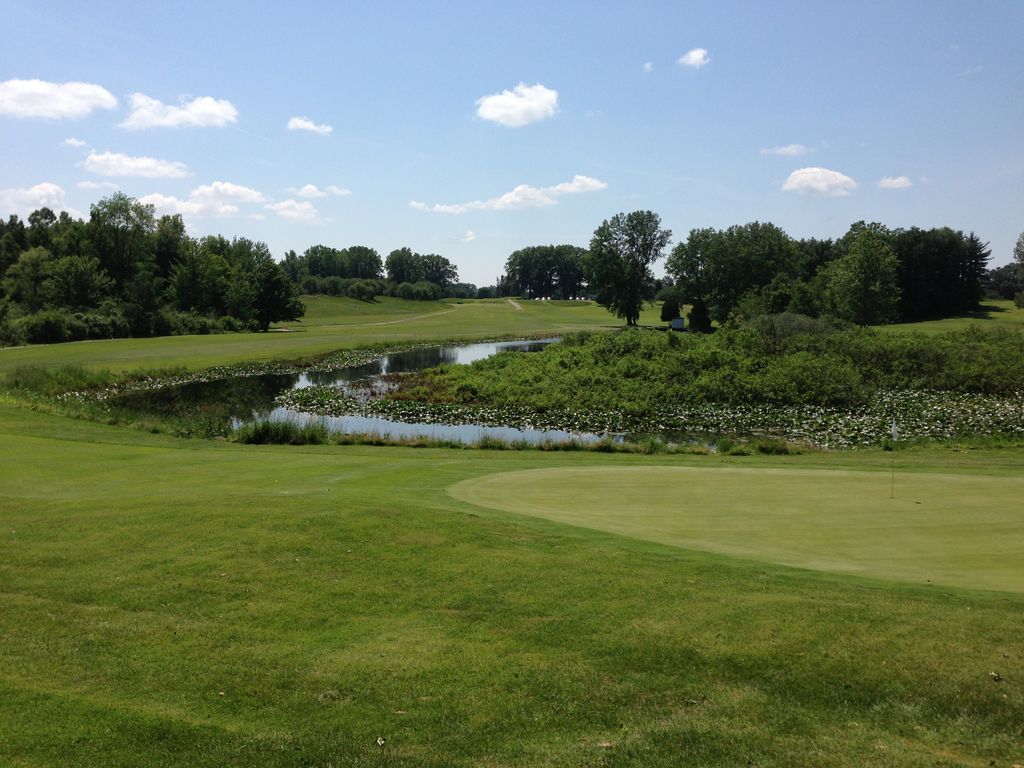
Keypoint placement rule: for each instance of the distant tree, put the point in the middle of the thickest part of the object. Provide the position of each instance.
(120, 229)
(1018, 256)
(275, 297)
(698, 317)
(721, 267)
(1003, 282)
(362, 262)
(438, 270)
(403, 266)
(670, 308)
(40, 225)
(24, 280)
(169, 242)
(863, 285)
(77, 282)
(622, 251)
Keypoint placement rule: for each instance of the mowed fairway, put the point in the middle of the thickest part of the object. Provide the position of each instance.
(955, 529)
(330, 324)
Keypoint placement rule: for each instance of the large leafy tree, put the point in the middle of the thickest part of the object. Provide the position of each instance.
(622, 251)
(863, 285)
(721, 267)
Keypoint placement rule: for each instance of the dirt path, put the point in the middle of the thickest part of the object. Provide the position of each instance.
(515, 304)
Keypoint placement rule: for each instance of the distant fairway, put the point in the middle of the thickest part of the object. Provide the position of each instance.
(962, 530)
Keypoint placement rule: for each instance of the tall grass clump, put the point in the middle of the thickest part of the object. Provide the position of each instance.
(281, 433)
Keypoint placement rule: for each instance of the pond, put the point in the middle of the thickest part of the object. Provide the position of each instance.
(246, 399)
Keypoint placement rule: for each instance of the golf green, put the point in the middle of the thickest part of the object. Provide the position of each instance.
(959, 530)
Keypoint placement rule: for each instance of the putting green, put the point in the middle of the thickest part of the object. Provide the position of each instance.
(960, 530)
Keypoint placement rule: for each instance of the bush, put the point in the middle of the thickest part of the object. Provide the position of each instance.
(50, 326)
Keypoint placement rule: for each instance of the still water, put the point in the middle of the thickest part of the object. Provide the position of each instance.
(252, 398)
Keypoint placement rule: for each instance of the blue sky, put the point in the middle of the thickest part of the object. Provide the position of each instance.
(811, 115)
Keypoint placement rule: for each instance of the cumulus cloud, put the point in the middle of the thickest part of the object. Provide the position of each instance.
(469, 237)
(895, 182)
(294, 210)
(52, 101)
(790, 150)
(821, 182)
(73, 142)
(305, 124)
(94, 185)
(23, 201)
(116, 164)
(694, 58)
(220, 199)
(522, 105)
(648, 66)
(523, 196)
(312, 191)
(202, 112)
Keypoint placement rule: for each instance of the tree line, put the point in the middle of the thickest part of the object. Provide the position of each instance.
(871, 275)
(125, 272)
(358, 271)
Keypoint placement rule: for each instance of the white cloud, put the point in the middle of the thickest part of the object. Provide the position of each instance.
(523, 196)
(294, 210)
(225, 190)
(312, 191)
(469, 237)
(305, 124)
(790, 150)
(73, 142)
(53, 101)
(648, 66)
(116, 164)
(202, 112)
(25, 200)
(822, 182)
(694, 58)
(895, 182)
(94, 185)
(220, 199)
(522, 105)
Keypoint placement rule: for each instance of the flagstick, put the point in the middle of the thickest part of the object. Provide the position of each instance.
(892, 479)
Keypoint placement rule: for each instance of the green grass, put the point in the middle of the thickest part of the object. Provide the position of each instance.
(172, 602)
(956, 529)
(331, 323)
(169, 602)
(994, 313)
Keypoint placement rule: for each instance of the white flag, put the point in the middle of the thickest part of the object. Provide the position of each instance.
(895, 431)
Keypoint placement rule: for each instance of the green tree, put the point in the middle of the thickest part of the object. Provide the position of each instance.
(403, 266)
(438, 270)
(77, 282)
(362, 262)
(120, 229)
(24, 280)
(1018, 256)
(275, 297)
(722, 267)
(622, 251)
(863, 285)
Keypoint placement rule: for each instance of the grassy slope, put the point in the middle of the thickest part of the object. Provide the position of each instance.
(994, 313)
(168, 602)
(330, 324)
